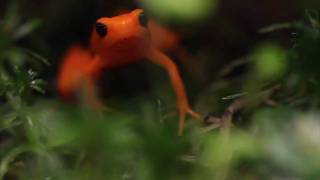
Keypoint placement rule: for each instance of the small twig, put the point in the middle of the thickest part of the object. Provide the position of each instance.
(234, 64)
(225, 121)
(275, 27)
(188, 158)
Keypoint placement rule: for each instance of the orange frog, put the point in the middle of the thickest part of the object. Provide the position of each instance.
(114, 42)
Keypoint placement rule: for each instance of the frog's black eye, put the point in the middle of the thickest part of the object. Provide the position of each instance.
(101, 29)
(143, 19)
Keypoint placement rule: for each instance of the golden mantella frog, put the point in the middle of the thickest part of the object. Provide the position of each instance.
(117, 41)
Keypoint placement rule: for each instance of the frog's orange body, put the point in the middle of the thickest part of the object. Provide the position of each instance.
(118, 41)
(78, 64)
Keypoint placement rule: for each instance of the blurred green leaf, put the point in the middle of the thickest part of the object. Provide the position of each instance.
(26, 28)
(36, 56)
(185, 11)
(270, 61)
(9, 158)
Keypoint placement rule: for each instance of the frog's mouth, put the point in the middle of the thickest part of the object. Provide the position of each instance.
(129, 45)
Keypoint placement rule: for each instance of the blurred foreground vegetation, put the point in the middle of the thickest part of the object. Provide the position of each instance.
(261, 123)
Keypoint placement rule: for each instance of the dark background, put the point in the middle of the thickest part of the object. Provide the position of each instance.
(229, 34)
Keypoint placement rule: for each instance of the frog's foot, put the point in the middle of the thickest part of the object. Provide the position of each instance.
(183, 111)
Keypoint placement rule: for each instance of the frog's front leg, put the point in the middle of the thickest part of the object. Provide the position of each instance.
(164, 61)
(89, 94)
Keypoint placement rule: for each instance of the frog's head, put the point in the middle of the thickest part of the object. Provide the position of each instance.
(124, 35)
